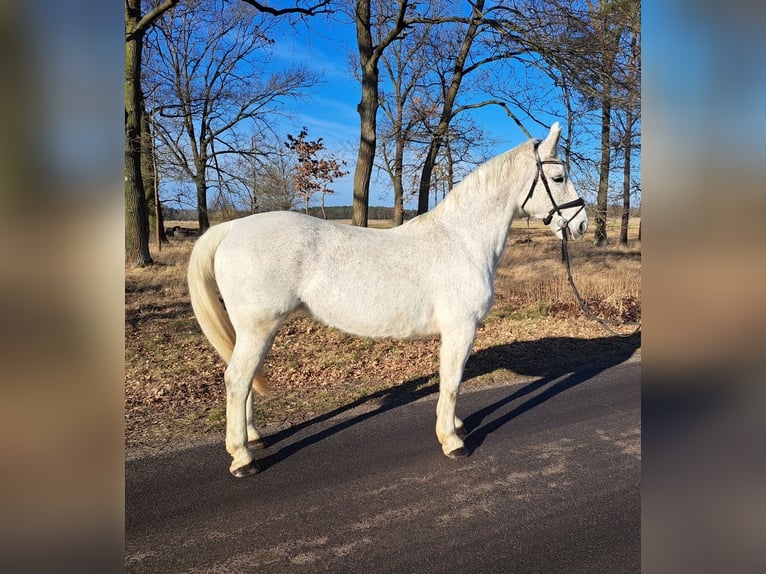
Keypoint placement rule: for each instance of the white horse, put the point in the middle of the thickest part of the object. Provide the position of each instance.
(432, 275)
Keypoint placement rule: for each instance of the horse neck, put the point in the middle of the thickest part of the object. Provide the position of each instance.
(481, 207)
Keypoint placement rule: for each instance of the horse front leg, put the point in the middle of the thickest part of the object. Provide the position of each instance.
(456, 345)
(254, 437)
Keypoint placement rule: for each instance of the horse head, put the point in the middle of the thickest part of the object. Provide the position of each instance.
(552, 196)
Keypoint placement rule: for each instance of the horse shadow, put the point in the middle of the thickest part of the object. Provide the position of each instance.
(548, 360)
(560, 363)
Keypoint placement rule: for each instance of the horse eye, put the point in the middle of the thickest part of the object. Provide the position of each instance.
(558, 179)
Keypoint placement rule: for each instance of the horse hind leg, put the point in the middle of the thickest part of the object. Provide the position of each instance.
(254, 438)
(249, 351)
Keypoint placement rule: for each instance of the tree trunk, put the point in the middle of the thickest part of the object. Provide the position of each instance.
(629, 119)
(398, 186)
(609, 38)
(324, 213)
(626, 178)
(570, 124)
(450, 167)
(367, 108)
(136, 218)
(425, 175)
(202, 216)
(600, 239)
(149, 176)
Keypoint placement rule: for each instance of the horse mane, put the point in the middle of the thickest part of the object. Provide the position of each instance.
(500, 166)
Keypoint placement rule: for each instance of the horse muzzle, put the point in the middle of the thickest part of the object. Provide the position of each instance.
(574, 228)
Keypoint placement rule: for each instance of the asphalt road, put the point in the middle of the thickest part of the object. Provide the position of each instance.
(551, 485)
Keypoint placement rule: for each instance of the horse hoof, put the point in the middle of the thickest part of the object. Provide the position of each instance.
(247, 470)
(461, 432)
(461, 452)
(258, 443)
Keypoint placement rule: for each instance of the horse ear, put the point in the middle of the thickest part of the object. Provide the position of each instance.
(550, 143)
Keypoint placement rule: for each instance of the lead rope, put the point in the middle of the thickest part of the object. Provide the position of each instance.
(588, 313)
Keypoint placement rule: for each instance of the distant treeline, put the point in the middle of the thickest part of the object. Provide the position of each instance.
(374, 212)
(334, 212)
(616, 211)
(339, 212)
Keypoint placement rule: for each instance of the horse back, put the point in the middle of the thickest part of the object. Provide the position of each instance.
(400, 283)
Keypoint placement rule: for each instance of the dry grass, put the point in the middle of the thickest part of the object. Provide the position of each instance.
(531, 275)
(173, 382)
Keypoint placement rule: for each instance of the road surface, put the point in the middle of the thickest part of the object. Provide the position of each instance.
(551, 485)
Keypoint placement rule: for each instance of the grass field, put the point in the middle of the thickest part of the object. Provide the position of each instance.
(174, 380)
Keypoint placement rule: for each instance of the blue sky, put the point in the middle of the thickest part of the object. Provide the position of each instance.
(329, 111)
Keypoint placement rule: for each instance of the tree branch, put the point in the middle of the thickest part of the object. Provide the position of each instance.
(318, 8)
(393, 33)
(149, 18)
(496, 103)
(494, 58)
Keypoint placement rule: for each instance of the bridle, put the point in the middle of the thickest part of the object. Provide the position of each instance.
(579, 202)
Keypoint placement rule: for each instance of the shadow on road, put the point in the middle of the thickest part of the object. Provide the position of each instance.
(577, 360)
(549, 359)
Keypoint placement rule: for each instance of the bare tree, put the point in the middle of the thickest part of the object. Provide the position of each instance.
(209, 93)
(405, 69)
(630, 106)
(137, 23)
(607, 38)
(370, 51)
(588, 53)
(265, 176)
(450, 91)
(581, 46)
(424, 71)
(374, 36)
(457, 51)
(136, 217)
(150, 176)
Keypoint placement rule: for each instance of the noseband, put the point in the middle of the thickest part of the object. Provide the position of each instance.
(579, 202)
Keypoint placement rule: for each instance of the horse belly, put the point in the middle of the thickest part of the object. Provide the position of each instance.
(368, 314)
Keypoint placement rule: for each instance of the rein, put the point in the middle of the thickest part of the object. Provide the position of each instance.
(588, 313)
(579, 202)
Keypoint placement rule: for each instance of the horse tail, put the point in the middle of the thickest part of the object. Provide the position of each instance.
(210, 312)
